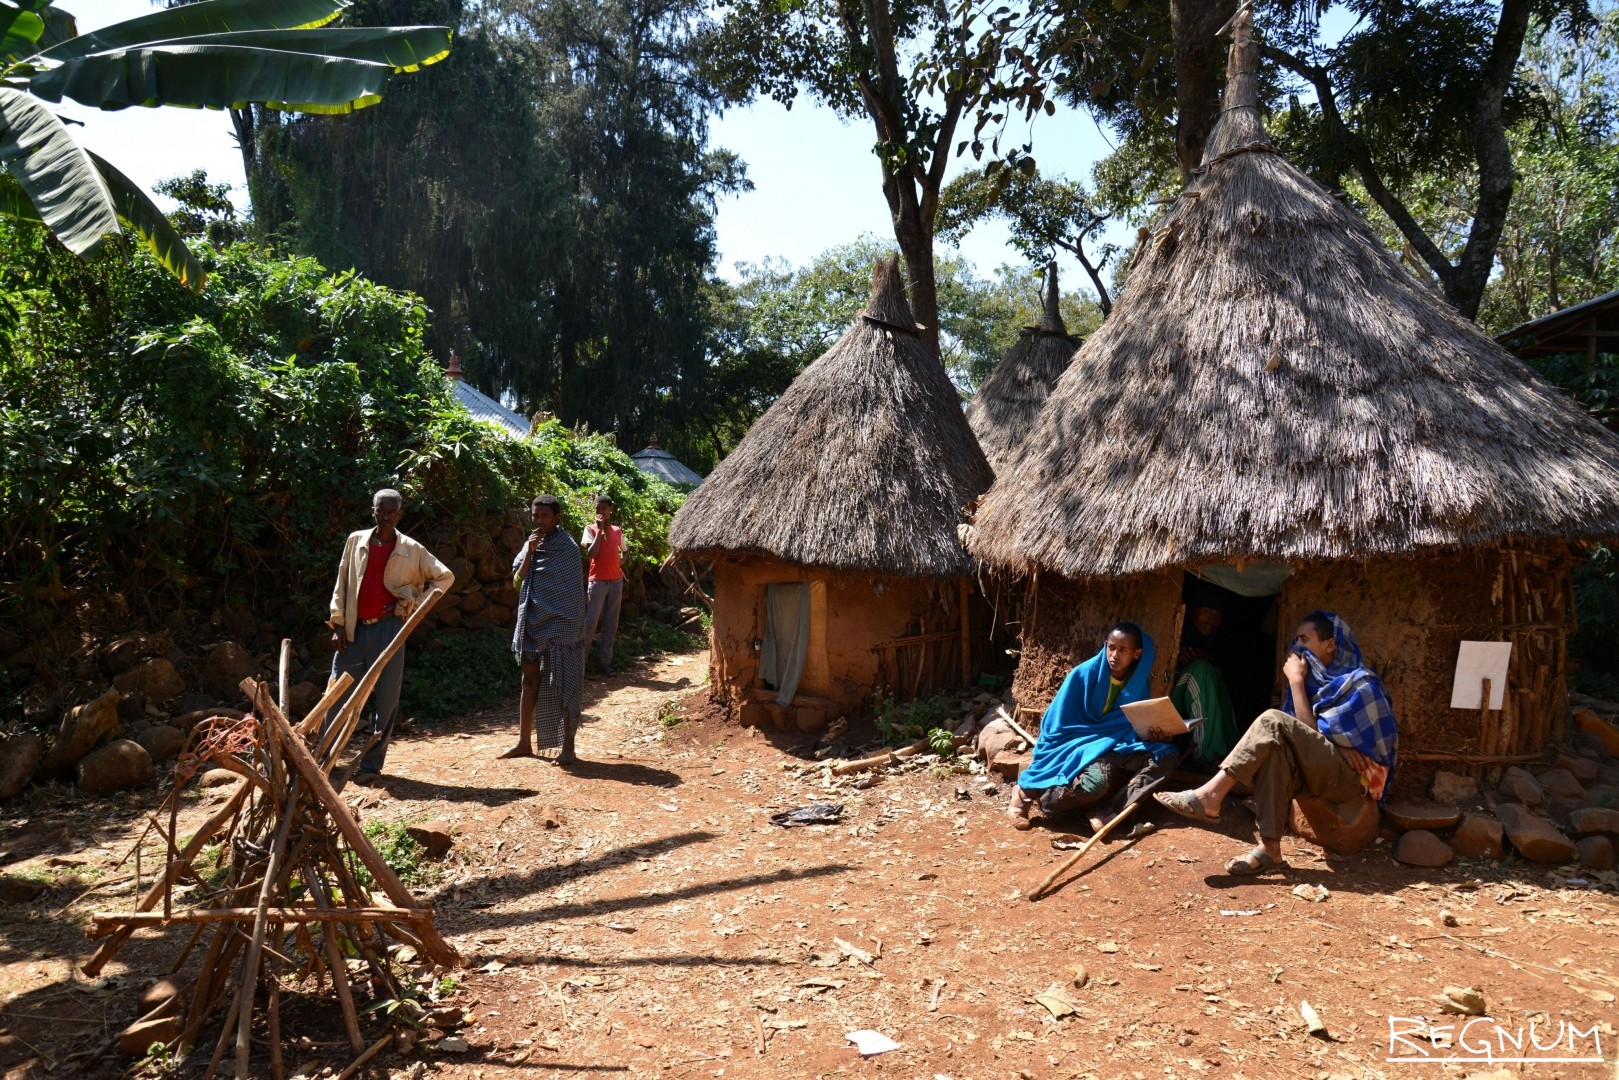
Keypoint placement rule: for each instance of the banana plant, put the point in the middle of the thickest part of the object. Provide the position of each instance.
(216, 54)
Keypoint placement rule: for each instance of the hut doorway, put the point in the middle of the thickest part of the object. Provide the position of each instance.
(792, 652)
(1241, 641)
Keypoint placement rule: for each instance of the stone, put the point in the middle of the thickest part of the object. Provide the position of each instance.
(1419, 847)
(186, 704)
(809, 719)
(1321, 824)
(1452, 788)
(1593, 820)
(157, 678)
(450, 617)
(132, 707)
(434, 836)
(19, 755)
(549, 818)
(1601, 794)
(138, 1037)
(1582, 769)
(1009, 765)
(462, 569)
(1461, 1001)
(161, 742)
(164, 990)
(301, 697)
(512, 539)
(217, 778)
(16, 890)
(237, 621)
(1477, 837)
(227, 665)
(1595, 852)
(491, 570)
(120, 765)
(500, 614)
(1536, 839)
(505, 596)
(82, 728)
(1561, 783)
(754, 715)
(994, 737)
(1421, 814)
(473, 602)
(1516, 784)
(453, 1045)
(127, 651)
(1591, 723)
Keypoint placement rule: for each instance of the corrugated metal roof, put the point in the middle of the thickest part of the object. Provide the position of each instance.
(664, 465)
(484, 407)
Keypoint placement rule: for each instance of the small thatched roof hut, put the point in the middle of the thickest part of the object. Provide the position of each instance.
(1006, 406)
(832, 526)
(1274, 387)
(656, 461)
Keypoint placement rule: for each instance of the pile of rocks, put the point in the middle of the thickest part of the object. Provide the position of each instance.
(1564, 813)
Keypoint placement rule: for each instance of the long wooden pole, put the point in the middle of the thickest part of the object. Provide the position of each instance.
(337, 736)
(261, 918)
(1040, 890)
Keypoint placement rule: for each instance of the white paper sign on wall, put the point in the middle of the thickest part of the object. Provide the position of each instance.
(1477, 661)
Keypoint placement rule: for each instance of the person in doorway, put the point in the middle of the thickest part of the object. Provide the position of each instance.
(1334, 738)
(1200, 688)
(604, 545)
(382, 577)
(1087, 752)
(548, 639)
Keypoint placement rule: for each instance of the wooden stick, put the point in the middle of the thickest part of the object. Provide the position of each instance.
(1017, 727)
(283, 679)
(335, 688)
(375, 1049)
(104, 923)
(438, 950)
(178, 867)
(349, 715)
(1040, 890)
(339, 968)
(887, 757)
(278, 1069)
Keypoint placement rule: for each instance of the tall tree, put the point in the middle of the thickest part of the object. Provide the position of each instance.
(913, 70)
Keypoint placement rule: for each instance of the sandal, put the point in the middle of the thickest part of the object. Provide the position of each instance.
(1256, 861)
(1184, 803)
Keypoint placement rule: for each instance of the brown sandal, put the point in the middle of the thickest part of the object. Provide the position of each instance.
(1256, 861)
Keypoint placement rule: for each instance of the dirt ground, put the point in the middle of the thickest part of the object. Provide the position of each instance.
(666, 928)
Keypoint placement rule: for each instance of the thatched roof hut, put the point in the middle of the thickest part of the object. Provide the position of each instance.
(1274, 386)
(865, 464)
(832, 530)
(1006, 406)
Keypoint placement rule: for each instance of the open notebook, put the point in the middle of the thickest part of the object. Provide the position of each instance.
(1157, 719)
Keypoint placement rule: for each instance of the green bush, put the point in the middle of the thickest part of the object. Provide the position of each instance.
(187, 445)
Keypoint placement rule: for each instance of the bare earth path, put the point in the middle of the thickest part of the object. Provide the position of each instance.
(665, 928)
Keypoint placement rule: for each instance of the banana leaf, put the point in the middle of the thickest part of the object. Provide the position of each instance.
(55, 172)
(207, 17)
(138, 211)
(20, 31)
(214, 76)
(402, 48)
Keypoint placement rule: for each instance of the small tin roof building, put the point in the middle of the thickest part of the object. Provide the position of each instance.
(665, 466)
(484, 407)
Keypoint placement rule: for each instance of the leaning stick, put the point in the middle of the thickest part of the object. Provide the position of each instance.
(335, 689)
(1040, 890)
(272, 881)
(338, 735)
(1017, 727)
(375, 1049)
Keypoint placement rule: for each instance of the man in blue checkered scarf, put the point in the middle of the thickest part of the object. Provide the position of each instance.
(1333, 739)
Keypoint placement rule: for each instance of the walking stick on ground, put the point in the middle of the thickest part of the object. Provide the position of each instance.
(1045, 886)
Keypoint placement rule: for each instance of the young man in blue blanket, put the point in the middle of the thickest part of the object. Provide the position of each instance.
(1334, 738)
(548, 638)
(1087, 752)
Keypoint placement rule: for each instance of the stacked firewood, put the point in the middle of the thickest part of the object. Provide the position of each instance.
(278, 898)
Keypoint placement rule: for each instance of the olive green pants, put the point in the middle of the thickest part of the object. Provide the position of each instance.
(1281, 757)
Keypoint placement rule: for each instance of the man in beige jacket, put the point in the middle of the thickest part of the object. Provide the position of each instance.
(382, 578)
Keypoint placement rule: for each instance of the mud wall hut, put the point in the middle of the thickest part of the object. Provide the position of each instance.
(1276, 404)
(832, 531)
(1004, 410)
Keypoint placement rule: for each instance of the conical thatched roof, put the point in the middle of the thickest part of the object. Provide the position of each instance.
(1006, 406)
(1273, 384)
(865, 464)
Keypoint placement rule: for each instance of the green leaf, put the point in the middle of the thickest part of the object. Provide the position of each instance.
(214, 76)
(14, 200)
(59, 27)
(19, 31)
(402, 48)
(136, 209)
(58, 176)
(207, 17)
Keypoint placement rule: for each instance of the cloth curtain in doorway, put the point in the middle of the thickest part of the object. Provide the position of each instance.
(781, 661)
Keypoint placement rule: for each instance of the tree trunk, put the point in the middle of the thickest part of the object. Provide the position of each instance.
(915, 240)
(1199, 66)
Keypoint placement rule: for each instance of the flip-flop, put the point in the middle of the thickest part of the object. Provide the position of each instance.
(1263, 861)
(1185, 804)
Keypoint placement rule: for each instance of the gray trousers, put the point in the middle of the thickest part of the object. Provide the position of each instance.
(603, 601)
(368, 644)
(1281, 757)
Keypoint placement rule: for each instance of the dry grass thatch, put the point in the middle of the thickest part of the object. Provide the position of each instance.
(865, 464)
(1274, 384)
(1006, 406)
